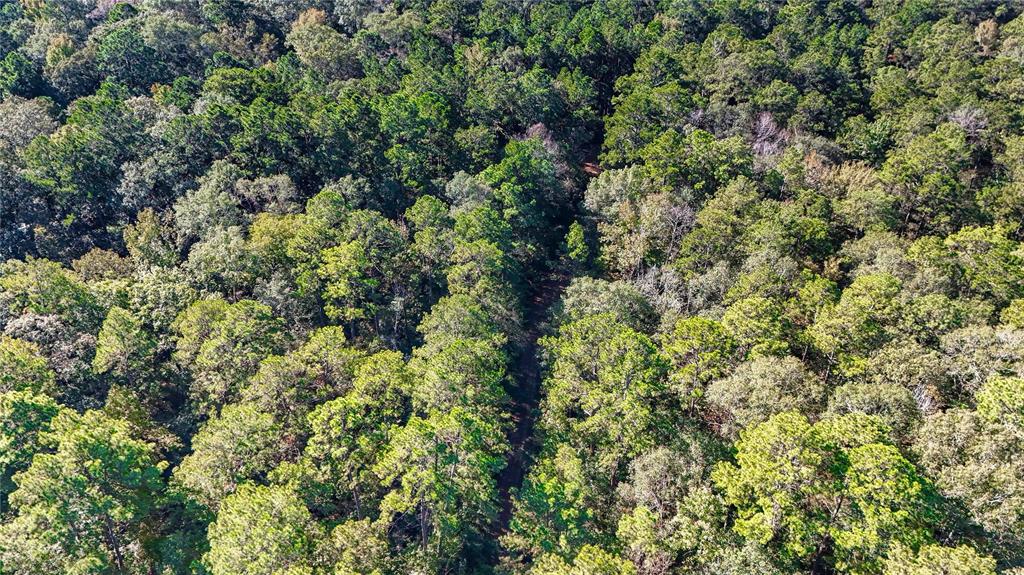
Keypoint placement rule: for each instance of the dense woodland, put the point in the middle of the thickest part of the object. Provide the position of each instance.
(511, 287)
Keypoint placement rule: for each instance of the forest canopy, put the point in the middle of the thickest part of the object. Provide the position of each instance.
(511, 287)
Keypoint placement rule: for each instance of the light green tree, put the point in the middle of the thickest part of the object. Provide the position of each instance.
(262, 531)
(223, 344)
(124, 348)
(23, 367)
(590, 560)
(239, 444)
(938, 560)
(24, 422)
(441, 469)
(834, 489)
(604, 391)
(83, 507)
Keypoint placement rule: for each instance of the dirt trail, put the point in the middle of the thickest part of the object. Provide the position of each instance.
(526, 393)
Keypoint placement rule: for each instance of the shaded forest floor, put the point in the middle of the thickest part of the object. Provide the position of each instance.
(525, 395)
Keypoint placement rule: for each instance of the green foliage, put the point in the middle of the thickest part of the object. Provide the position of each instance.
(970, 455)
(18, 76)
(894, 404)
(290, 386)
(938, 560)
(840, 491)
(455, 287)
(857, 323)
(589, 560)
(756, 324)
(697, 161)
(349, 434)
(223, 345)
(346, 269)
(123, 347)
(238, 445)
(122, 55)
(43, 287)
(24, 422)
(84, 506)
(320, 47)
(442, 467)
(556, 507)
(1000, 401)
(587, 296)
(23, 368)
(525, 189)
(761, 388)
(991, 261)
(611, 405)
(262, 530)
(577, 251)
(925, 177)
(700, 351)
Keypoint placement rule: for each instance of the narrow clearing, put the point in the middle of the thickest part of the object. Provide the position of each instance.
(526, 393)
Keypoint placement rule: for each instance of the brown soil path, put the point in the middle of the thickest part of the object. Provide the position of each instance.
(526, 393)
